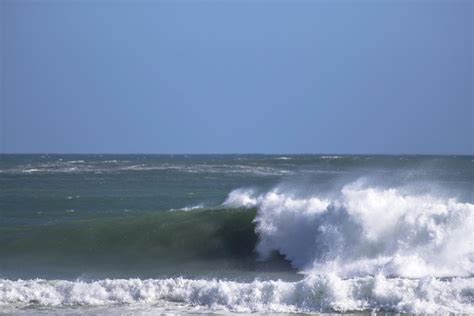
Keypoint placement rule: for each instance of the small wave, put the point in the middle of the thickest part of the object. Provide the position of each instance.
(189, 208)
(320, 293)
(31, 170)
(114, 166)
(194, 207)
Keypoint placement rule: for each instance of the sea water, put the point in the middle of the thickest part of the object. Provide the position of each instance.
(147, 234)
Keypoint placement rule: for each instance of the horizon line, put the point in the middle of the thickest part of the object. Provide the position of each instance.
(234, 153)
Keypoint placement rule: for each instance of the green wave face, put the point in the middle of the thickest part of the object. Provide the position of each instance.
(164, 242)
(202, 233)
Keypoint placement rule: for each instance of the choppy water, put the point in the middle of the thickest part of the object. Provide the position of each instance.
(243, 233)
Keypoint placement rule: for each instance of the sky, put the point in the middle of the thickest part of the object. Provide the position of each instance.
(237, 76)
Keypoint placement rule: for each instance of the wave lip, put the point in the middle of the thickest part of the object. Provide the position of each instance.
(320, 293)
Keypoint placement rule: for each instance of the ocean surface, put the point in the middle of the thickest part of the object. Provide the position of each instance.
(198, 234)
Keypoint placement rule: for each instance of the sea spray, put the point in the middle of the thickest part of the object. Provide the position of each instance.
(365, 231)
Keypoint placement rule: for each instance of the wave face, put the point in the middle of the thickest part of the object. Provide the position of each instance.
(164, 241)
(365, 230)
(318, 293)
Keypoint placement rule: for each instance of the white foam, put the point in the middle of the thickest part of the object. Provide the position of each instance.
(31, 170)
(365, 231)
(313, 294)
(242, 198)
(118, 166)
(190, 208)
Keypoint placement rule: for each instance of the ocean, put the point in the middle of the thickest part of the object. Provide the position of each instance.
(212, 234)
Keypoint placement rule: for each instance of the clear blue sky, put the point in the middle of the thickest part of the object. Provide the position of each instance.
(237, 76)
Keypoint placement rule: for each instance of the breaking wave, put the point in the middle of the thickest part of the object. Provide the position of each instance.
(365, 231)
(359, 248)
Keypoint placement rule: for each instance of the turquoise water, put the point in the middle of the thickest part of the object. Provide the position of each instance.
(316, 225)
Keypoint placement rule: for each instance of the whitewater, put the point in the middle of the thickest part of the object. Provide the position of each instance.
(358, 245)
(365, 231)
(316, 293)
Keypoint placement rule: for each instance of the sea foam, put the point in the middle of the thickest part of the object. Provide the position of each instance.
(364, 230)
(318, 293)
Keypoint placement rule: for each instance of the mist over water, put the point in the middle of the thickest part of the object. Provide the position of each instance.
(365, 231)
(293, 233)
